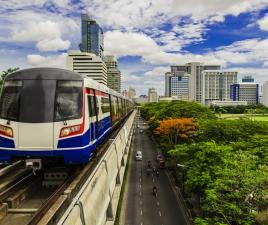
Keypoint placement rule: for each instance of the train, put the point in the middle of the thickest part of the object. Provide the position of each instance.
(51, 113)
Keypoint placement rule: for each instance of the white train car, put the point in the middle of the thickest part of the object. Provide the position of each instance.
(50, 113)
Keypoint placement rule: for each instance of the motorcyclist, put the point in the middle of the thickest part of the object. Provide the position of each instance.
(155, 191)
(157, 172)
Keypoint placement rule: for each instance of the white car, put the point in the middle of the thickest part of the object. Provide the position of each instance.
(139, 156)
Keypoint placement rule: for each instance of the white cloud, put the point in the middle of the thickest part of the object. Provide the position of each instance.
(129, 44)
(148, 13)
(46, 33)
(51, 45)
(58, 61)
(27, 26)
(263, 23)
(36, 31)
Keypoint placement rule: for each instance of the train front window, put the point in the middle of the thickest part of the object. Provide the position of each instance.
(9, 103)
(37, 101)
(68, 102)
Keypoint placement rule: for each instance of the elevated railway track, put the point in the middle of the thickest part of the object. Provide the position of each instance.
(28, 198)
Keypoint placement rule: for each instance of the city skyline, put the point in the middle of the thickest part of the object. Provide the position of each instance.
(147, 37)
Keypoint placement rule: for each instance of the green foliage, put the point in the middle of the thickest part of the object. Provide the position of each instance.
(4, 74)
(240, 109)
(230, 180)
(176, 109)
(230, 130)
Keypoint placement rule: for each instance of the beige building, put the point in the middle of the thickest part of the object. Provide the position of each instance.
(87, 64)
(152, 95)
(113, 73)
(131, 92)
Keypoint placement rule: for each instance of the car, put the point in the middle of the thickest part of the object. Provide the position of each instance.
(139, 156)
(141, 131)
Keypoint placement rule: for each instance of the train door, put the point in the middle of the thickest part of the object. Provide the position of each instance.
(93, 110)
(36, 114)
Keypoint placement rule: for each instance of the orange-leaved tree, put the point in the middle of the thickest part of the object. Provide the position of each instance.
(176, 130)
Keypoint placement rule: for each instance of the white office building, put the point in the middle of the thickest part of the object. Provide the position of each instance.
(265, 93)
(177, 85)
(87, 64)
(190, 75)
(152, 95)
(216, 85)
(245, 91)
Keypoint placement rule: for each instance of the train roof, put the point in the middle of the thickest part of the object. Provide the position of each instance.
(48, 73)
(45, 73)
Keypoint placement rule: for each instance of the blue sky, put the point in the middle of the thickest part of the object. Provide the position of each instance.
(147, 36)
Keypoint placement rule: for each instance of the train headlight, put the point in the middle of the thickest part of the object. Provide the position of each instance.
(68, 131)
(7, 131)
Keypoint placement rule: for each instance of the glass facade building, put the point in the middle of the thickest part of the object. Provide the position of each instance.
(92, 36)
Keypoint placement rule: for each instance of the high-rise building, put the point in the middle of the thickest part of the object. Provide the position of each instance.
(265, 93)
(247, 79)
(216, 85)
(131, 92)
(88, 64)
(152, 95)
(92, 36)
(177, 84)
(245, 91)
(192, 78)
(113, 73)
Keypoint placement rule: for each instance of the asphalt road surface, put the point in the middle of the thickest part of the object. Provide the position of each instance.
(140, 206)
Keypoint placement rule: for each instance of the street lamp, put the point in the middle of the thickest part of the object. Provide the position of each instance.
(182, 166)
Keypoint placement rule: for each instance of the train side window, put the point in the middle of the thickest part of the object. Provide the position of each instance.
(105, 105)
(120, 106)
(114, 108)
(91, 106)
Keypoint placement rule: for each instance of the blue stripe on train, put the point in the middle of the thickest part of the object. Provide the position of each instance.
(82, 140)
(6, 143)
(71, 156)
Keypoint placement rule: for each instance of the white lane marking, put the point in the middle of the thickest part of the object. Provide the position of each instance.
(159, 212)
(140, 179)
(141, 212)
(140, 185)
(153, 179)
(158, 203)
(140, 202)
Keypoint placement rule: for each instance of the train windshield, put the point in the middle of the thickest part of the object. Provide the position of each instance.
(9, 105)
(41, 101)
(68, 103)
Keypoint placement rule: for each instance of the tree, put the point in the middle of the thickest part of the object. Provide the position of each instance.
(175, 130)
(4, 74)
(230, 181)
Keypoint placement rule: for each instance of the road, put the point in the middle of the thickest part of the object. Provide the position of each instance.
(140, 206)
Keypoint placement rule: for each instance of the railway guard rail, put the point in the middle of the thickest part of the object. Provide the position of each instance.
(96, 202)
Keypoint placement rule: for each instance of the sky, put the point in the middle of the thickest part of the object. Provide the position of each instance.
(146, 36)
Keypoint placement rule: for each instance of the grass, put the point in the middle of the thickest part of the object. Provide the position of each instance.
(255, 117)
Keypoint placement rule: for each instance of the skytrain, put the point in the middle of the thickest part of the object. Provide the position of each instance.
(49, 113)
